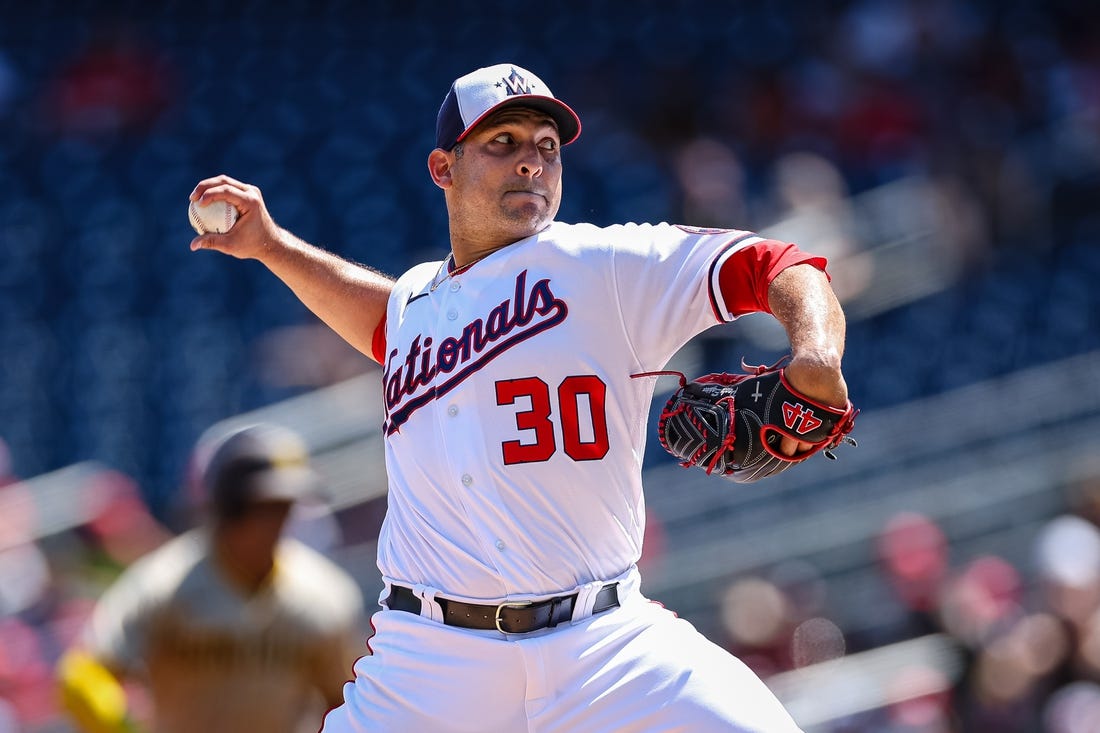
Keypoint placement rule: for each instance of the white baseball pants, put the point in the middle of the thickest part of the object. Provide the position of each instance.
(630, 669)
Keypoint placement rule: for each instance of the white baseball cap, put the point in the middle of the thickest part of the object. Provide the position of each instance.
(478, 94)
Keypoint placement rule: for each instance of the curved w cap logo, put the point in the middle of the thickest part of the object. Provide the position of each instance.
(515, 83)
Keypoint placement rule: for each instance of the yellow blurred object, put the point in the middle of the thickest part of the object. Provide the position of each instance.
(92, 695)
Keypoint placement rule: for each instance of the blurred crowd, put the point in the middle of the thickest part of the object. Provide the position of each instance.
(120, 347)
(1027, 634)
(49, 584)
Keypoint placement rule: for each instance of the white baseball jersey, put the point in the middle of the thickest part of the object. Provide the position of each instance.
(514, 431)
(217, 659)
(514, 443)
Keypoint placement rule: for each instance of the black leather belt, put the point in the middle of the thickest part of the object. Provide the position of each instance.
(514, 617)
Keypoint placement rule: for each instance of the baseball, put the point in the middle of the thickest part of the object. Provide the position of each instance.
(216, 216)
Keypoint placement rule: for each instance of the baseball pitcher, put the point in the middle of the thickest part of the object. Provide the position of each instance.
(518, 375)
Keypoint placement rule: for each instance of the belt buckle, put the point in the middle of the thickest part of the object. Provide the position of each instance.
(507, 604)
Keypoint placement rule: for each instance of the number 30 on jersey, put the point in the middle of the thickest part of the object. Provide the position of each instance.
(580, 403)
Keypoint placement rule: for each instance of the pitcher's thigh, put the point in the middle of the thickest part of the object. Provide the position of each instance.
(424, 676)
(656, 672)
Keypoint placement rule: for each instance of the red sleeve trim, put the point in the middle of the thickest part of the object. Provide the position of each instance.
(378, 341)
(744, 274)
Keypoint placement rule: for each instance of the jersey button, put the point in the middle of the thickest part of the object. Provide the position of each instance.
(452, 410)
(452, 314)
(455, 286)
(467, 479)
(500, 545)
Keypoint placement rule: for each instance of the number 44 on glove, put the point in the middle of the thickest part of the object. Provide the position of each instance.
(732, 424)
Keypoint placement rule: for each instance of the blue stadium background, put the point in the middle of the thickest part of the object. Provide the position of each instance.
(119, 345)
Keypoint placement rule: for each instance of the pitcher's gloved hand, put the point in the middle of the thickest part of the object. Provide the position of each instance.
(732, 424)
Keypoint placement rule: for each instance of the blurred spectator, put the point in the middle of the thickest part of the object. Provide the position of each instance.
(1009, 674)
(1074, 708)
(117, 83)
(816, 640)
(1067, 558)
(978, 602)
(775, 621)
(232, 626)
(711, 181)
(913, 555)
(121, 523)
(813, 208)
(754, 616)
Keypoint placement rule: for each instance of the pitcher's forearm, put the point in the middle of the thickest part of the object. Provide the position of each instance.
(802, 300)
(350, 298)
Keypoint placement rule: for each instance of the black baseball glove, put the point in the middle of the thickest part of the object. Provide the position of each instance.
(732, 424)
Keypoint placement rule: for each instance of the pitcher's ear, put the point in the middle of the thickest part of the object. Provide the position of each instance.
(439, 165)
